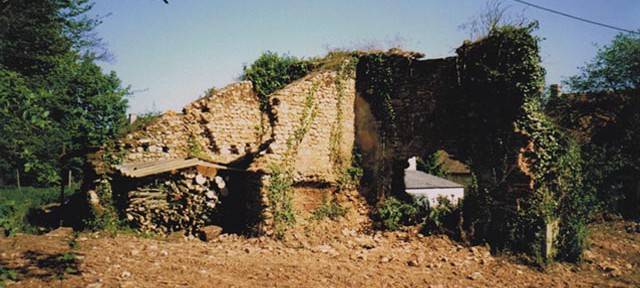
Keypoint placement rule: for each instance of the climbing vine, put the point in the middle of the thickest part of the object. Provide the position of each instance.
(382, 72)
(279, 188)
(528, 170)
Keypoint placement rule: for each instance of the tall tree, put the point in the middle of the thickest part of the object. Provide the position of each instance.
(54, 100)
(603, 111)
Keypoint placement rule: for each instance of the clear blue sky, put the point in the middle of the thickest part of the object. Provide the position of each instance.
(170, 54)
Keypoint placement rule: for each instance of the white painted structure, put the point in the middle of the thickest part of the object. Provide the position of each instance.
(420, 184)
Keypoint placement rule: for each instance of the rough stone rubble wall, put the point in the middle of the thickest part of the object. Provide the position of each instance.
(229, 128)
(313, 158)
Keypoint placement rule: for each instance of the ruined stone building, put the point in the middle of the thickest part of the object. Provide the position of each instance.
(394, 106)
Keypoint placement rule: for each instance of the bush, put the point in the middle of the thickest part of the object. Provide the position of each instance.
(441, 217)
(394, 213)
(329, 209)
(15, 206)
(280, 200)
(271, 72)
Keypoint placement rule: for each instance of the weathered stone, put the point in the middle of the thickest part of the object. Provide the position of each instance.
(211, 232)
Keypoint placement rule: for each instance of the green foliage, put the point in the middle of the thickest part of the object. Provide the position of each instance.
(615, 67)
(7, 274)
(394, 213)
(329, 209)
(349, 178)
(271, 72)
(432, 165)
(603, 114)
(280, 201)
(35, 35)
(51, 87)
(104, 217)
(504, 69)
(382, 70)
(15, 205)
(345, 71)
(557, 165)
(440, 217)
(195, 149)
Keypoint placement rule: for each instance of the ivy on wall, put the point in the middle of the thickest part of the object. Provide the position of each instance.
(507, 135)
(279, 187)
(378, 75)
(528, 172)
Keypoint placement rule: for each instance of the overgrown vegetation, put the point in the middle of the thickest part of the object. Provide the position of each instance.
(505, 69)
(432, 165)
(442, 217)
(51, 86)
(271, 72)
(329, 209)
(280, 201)
(16, 204)
(7, 274)
(528, 171)
(279, 188)
(602, 113)
(394, 213)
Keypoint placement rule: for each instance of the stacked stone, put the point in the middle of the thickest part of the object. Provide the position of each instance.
(184, 201)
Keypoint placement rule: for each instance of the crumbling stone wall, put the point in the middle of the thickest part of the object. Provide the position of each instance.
(228, 127)
(313, 158)
(223, 126)
(422, 100)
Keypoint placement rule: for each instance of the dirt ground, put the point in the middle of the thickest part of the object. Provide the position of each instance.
(317, 254)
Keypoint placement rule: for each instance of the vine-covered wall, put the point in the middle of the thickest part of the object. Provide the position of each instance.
(483, 108)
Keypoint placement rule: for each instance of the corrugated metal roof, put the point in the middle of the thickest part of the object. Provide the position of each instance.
(142, 169)
(414, 179)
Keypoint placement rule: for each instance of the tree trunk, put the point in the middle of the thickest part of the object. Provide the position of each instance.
(18, 179)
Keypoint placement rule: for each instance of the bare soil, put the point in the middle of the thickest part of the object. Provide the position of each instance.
(318, 254)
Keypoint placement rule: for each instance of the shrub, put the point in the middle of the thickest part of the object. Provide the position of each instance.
(271, 72)
(394, 213)
(15, 205)
(329, 209)
(280, 200)
(441, 217)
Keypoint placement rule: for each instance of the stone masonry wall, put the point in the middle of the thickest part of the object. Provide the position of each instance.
(228, 127)
(315, 154)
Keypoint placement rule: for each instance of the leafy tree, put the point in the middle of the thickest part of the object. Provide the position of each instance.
(34, 34)
(55, 102)
(603, 112)
(616, 67)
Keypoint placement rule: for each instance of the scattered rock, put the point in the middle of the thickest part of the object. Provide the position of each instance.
(475, 276)
(211, 232)
(327, 249)
(385, 259)
(125, 274)
(61, 232)
(414, 260)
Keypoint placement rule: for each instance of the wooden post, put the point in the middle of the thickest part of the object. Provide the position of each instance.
(551, 230)
(18, 179)
(61, 161)
(70, 180)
